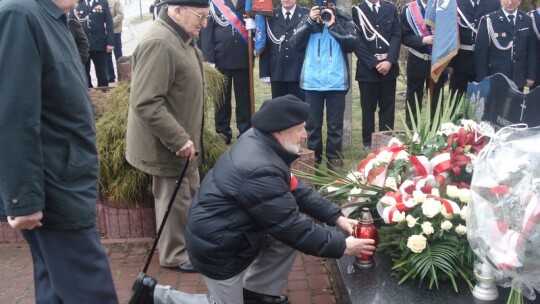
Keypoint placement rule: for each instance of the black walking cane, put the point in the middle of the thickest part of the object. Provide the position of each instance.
(144, 282)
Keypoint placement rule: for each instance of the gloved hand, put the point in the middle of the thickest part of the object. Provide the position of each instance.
(265, 79)
(250, 24)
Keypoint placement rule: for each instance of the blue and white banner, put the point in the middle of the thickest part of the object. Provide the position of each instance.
(441, 15)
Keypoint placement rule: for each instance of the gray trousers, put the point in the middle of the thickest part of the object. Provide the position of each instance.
(268, 274)
(172, 244)
(167, 295)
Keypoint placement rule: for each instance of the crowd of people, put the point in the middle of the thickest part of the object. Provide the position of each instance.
(101, 22)
(243, 224)
(306, 55)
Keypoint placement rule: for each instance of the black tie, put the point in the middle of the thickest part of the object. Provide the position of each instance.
(374, 8)
(511, 20)
(287, 17)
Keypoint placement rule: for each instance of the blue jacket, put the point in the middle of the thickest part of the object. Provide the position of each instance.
(323, 68)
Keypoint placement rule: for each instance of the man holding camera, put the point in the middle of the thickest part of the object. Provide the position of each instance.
(378, 46)
(327, 35)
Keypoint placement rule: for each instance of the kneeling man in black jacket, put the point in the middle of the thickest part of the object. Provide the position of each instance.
(250, 212)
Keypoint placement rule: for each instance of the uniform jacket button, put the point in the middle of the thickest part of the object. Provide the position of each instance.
(15, 201)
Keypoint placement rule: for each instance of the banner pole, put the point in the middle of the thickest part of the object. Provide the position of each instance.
(250, 61)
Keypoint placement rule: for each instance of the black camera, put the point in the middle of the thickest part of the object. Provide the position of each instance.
(326, 12)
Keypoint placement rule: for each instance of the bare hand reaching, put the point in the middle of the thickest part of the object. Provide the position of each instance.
(359, 246)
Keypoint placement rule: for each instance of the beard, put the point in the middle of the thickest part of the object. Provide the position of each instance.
(291, 147)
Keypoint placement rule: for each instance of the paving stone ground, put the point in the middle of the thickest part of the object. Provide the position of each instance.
(309, 281)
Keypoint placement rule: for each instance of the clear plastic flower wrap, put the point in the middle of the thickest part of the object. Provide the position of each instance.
(504, 220)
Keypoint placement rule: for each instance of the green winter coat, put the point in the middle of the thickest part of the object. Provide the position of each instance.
(166, 101)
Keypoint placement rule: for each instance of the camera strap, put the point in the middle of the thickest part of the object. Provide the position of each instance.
(366, 26)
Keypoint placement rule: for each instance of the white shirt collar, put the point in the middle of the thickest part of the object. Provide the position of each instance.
(377, 4)
(508, 14)
(284, 11)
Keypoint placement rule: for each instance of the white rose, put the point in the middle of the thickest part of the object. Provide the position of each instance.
(427, 228)
(402, 155)
(464, 213)
(461, 230)
(452, 191)
(446, 225)
(391, 183)
(388, 201)
(398, 217)
(395, 141)
(431, 207)
(448, 128)
(445, 214)
(419, 196)
(384, 156)
(464, 195)
(411, 221)
(435, 192)
(417, 243)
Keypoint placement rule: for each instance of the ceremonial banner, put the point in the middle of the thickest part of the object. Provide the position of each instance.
(261, 9)
(441, 15)
(497, 100)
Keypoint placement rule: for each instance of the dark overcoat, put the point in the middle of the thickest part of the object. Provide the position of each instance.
(463, 62)
(97, 23)
(518, 62)
(416, 67)
(386, 22)
(244, 199)
(281, 62)
(223, 45)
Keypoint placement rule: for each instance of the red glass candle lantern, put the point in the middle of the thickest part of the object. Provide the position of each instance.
(365, 230)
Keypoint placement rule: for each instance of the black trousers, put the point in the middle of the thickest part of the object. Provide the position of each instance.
(458, 84)
(70, 266)
(373, 95)
(415, 92)
(99, 58)
(239, 80)
(282, 88)
(335, 109)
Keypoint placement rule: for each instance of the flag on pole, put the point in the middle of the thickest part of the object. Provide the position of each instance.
(441, 15)
(261, 9)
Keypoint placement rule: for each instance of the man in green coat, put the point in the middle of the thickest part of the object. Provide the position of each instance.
(48, 157)
(165, 119)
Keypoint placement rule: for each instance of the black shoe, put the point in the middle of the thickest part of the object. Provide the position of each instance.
(251, 297)
(143, 290)
(187, 267)
(335, 164)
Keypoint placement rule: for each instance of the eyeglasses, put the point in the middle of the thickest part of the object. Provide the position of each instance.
(201, 17)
